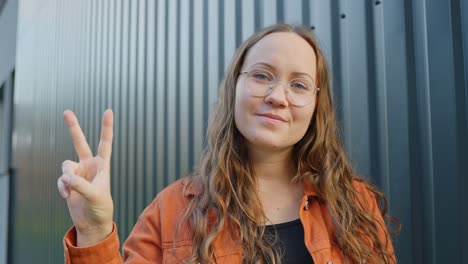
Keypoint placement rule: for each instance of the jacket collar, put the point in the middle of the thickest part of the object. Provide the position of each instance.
(193, 186)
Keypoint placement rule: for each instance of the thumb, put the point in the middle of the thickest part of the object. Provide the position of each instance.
(80, 185)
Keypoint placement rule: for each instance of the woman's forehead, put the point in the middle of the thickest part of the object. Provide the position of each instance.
(283, 51)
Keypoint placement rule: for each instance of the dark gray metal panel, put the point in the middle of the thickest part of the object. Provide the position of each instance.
(159, 98)
(140, 112)
(8, 29)
(229, 32)
(355, 89)
(320, 21)
(463, 120)
(6, 105)
(130, 175)
(124, 123)
(443, 122)
(399, 81)
(171, 90)
(391, 170)
(293, 11)
(214, 54)
(149, 97)
(4, 202)
(268, 11)
(184, 98)
(247, 21)
(198, 79)
(116, 107)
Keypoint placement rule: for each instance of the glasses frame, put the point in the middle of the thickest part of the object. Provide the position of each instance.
(275, 83)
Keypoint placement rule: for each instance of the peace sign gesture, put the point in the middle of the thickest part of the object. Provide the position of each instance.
(86, 184)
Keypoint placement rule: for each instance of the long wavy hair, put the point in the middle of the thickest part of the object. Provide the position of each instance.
(230, 185)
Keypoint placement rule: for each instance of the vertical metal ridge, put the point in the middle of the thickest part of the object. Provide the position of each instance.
(378, 150)
(150, 175)
(461, 102)
(191, 148)
(279, 11)
(133, 113)
(125, 117)
(426, 136)
(305, 12)
(184, 69)
(160, 77)
(206, 100)
(142, 172)
(238, 23)
(178, 91)
(221, 62)
(165, 93)
(258, 17)
(149, 95)
(171, 89)
(118, 120)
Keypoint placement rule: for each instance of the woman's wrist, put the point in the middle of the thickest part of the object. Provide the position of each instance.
(92, 236)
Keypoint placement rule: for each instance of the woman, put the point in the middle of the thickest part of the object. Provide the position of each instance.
(273, 186)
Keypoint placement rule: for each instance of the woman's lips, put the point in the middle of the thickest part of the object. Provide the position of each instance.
(274, 117)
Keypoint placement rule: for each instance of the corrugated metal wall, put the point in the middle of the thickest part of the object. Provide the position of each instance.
(400, 71)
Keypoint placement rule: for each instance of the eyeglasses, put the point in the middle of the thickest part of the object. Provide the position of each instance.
(300, 91)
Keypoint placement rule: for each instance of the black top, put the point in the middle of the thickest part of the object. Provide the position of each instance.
(291, 242)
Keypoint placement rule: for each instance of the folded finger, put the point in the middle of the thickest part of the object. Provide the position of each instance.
(70, 167)
(63, 190)
(80, 185)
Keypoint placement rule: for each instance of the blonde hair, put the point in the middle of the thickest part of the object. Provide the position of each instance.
(230, 186)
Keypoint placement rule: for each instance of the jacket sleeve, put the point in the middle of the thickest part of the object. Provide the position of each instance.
(143, 245)
(106, 251)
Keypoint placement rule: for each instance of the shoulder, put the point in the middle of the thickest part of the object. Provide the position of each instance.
(365, 195)
(179, 193)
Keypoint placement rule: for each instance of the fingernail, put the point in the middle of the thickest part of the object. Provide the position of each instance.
(64, 194)
(66, 179)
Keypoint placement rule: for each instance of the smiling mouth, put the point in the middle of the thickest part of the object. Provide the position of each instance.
(274, 117)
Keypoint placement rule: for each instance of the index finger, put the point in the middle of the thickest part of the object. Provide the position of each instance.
(107, 134)
(79, 140)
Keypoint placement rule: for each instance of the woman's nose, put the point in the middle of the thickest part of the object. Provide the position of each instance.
(277, 95)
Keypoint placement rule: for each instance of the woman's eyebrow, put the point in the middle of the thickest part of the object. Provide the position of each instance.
(274, 68)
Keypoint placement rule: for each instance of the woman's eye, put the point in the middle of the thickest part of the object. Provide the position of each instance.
(262, 77)
(300, 86)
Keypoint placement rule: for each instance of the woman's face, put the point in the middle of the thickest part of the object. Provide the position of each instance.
(273, 122)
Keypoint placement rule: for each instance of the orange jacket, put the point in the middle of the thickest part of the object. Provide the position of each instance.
(154, 239)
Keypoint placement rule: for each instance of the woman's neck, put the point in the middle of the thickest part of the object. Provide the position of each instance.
(272, 166)
(280, 198)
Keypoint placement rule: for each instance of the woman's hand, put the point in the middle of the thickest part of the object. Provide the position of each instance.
(86, 184)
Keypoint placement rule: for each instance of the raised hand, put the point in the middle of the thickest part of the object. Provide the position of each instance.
(86, 184)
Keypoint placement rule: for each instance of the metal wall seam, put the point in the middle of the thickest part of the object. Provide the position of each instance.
(117, 145)
(184, 89)
(170, 92)
(123, 203)
(198, 79)
(150, 166)
(131, 122)
(140, 113)
(160, 100)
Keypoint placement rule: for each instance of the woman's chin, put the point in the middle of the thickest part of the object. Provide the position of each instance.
(267, 144)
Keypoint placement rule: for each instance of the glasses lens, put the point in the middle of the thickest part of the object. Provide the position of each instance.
(301, 91)
(260, 81)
